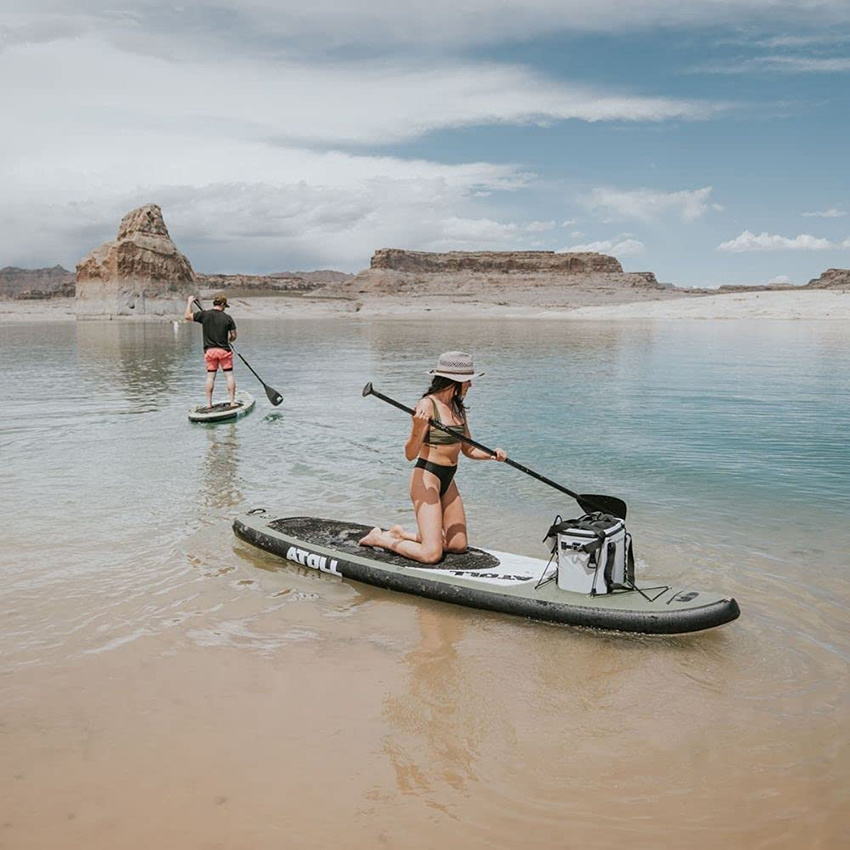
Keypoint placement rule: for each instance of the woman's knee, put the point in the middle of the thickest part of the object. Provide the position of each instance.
(432, 553)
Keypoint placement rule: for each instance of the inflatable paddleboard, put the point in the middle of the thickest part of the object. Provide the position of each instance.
(223, 412)
(493, 581)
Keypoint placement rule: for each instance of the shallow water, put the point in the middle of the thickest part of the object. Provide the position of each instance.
(164, 684)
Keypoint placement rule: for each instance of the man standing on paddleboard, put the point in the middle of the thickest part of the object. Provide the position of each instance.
(219, 332)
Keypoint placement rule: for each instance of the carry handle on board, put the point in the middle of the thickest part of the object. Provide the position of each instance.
(273, 395)
(588, 502)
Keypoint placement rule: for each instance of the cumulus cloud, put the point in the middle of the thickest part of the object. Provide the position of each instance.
(242, 206)
(257, 142)
(647, 204)
(262, 227)
(621, 248)
(748, 242)
(376, 23)
(833, 212)
(353, 103)
(780, 64)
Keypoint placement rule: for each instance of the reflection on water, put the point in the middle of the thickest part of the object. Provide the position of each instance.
(220, 480)
(136, 363)
(434, 730)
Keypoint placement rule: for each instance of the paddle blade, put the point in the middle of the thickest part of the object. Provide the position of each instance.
(274, 396)
(590, 502)
(367, 390)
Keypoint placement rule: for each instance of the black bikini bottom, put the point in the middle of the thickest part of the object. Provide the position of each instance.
(444, 473)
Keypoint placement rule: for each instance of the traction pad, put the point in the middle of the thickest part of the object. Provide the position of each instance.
(222, 405)
(343, 537)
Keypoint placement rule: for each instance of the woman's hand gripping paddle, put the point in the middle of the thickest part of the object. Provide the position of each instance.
(588, 502)
(274, 396)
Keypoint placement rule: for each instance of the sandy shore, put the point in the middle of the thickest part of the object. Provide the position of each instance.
(808, 304)
(53, 310)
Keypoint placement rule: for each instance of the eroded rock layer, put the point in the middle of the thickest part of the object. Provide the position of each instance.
(505, 262)
(56, 282)
(542, 278)
(831, 279)
(281, 283)
(141, 274)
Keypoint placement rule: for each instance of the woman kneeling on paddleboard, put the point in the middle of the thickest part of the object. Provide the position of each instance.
(436, 500)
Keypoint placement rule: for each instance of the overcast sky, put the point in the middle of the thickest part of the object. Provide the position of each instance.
(706, 141)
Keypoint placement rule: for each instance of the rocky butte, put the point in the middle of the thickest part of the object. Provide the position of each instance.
(502, 262)
(831, 279)
(540, 278)
(139, 275)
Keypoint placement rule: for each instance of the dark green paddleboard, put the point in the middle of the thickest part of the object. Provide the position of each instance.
(493, 581)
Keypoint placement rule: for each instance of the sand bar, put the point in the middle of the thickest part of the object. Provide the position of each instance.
(798, 304)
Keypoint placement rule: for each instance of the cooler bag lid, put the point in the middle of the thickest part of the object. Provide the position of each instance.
(596, 524)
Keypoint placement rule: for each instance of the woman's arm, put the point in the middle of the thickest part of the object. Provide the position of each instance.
(477, 454)
(418, 429)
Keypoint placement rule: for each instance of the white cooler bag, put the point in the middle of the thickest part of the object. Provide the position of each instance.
(592, 553)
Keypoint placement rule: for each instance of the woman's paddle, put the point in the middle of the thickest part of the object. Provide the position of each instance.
(274, 396)
(588, 502)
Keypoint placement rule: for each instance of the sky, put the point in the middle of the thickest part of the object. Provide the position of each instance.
(706, 141)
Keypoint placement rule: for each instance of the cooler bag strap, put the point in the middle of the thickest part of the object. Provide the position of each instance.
(630, 562)
(609, 566)
(593, 549)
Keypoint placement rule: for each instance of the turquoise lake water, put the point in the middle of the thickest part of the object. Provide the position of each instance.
(728, 440)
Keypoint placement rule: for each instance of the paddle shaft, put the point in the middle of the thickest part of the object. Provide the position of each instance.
(581, 499)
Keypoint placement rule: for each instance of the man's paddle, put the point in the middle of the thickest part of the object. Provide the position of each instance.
(274, 396)
(588, 502)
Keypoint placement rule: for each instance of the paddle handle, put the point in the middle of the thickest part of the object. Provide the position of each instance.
(369, 390)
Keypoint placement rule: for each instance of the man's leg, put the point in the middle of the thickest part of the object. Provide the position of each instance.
(231, 386)
(210, 385)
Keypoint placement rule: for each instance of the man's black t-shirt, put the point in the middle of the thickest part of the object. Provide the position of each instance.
(217, 326)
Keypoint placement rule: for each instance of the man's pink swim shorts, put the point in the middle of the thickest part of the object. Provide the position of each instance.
(215, 357)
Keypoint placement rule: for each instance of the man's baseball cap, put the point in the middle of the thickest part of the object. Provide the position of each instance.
(220, 300)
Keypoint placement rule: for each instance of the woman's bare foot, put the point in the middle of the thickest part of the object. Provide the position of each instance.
(373, 538)
(399, 533)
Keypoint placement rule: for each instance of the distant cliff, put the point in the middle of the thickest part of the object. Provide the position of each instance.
(542, 278)
(279, 283)
(831, 279)
(504, 262)
(56, 282)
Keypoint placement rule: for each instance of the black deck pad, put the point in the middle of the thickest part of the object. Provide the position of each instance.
(222, 405)
(343, 537)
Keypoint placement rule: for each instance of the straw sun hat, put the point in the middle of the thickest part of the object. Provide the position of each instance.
(457, 366)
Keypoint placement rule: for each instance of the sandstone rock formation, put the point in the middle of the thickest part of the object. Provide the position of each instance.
(542, 278)
(55, 282)
(280, 283)
(504, 262)
(141, 274)
(831, 279)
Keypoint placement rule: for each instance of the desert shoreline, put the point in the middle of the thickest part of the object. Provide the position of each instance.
(829, 305)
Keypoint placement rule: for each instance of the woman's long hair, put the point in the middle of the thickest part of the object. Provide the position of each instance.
(438, 384)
